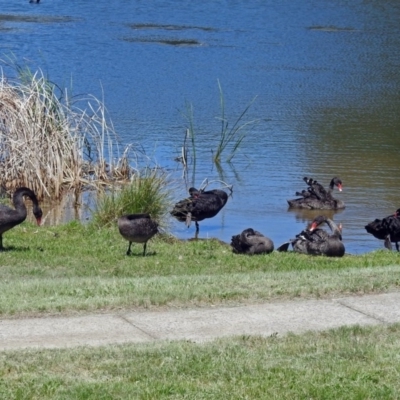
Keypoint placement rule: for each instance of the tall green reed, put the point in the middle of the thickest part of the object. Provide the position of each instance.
(231, 137)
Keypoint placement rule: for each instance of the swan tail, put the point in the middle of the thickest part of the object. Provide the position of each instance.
(283, 247)
(388, 243)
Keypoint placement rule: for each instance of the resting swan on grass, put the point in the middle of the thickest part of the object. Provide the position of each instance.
(316, 241)
(251, 242)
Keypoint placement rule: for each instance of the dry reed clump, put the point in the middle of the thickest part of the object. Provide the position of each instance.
(50, 145)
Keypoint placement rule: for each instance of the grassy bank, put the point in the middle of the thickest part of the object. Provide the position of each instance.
(346, 363)
(73, 268)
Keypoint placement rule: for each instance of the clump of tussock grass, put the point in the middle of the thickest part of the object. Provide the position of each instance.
(147, 192)
(50, 144)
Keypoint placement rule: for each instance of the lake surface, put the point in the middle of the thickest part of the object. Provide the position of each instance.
(325, 76)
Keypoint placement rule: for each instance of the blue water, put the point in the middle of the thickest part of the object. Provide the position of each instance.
(324, 76)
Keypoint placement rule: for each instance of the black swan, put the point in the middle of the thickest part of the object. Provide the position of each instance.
(138, 228)
(316, 197)
(10, 217)
(315, 241)
(387, 229)
(200, 205)
(251, 242)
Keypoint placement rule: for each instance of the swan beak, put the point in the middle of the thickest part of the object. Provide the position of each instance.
(38, 221)
(340, 188)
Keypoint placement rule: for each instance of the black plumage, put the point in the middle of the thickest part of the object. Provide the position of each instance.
(199, 206)
(11, 217)
(316, 241)
(251, 242)
(137, 228)
(316, 197)
(387, 229)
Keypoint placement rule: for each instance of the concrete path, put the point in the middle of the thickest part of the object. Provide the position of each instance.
(199, 324)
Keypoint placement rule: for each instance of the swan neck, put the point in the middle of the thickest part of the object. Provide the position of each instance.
(333, 227)
(18, 200)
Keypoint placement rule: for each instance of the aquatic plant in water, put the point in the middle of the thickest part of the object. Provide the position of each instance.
(230, 136)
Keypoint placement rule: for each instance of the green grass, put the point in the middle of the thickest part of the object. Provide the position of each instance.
(73, 268)
(146, 192)
(346, 363)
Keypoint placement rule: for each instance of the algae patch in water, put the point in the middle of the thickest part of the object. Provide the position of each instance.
(171, 42)
(44, 19)
(169, 27)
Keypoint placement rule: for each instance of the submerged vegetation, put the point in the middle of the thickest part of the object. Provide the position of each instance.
(49, 144)
(172, 42)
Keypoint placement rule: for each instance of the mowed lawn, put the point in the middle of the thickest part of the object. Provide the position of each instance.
(74, 269)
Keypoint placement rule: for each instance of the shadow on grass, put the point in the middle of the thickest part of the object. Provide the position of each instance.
(148, 254)
(194, 239)
(19, 249)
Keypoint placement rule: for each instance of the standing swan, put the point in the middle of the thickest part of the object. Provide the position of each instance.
(10, 217)
(251, 242)
(387, 229)
(315, 241)
(138, 228)
(200, 205)
(316, 197)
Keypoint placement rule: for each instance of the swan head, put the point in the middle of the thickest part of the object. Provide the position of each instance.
(336, 182)
(193, 192)
(248, 232)
(317, 222)
(37, 212)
